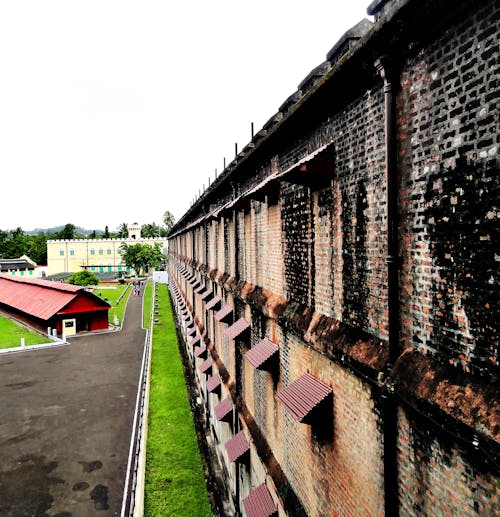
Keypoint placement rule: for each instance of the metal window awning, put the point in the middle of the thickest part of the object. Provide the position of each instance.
(223, 410)
(213, 302)
(201, 351)
(259, 356)
(194, 341)
(224, 314)
(259, 503)
(213, 383)
(237, 446)
(237, 328)
(303, 395)
(208, 293)
(206, 365)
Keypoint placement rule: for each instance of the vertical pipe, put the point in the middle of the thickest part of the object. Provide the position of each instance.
(390, 425)
(237, 380)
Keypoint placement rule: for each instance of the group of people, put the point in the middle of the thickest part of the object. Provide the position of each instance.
(137, 288)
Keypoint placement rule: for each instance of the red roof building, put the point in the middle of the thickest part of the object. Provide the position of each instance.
(53, 304)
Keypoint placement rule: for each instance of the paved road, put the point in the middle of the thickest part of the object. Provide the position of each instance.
(65, 423)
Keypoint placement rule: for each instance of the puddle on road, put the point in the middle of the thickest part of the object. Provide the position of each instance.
(90, 466)
(81, 485)
(25, 490)
(99, 495)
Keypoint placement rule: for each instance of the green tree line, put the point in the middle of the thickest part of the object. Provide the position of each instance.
(15, 243)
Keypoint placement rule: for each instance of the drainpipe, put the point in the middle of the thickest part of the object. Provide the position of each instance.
(390, 424)
(237, 355)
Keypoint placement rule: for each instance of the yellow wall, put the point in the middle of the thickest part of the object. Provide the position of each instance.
(70, 256)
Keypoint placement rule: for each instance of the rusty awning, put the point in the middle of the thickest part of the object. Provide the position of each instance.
(303, 395)
(201, 350)
(207, 294)
(259, 503)
(237, 446)
(237, 328)
(260, 354)
(213, 383)
(206, 365)
(224, 314)
(213, 302)
(194, 341)
(223, 410)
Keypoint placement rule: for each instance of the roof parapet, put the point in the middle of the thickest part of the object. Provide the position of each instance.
(348, 40)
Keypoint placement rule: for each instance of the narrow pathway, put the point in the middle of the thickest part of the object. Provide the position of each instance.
(65, 423)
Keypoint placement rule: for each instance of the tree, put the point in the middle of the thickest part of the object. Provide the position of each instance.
(17, 244)
(122, 231)
(168, 220)
(37, 248)
(83, 278)
(68, 232)
(142, 257)
(106, 235)
(150, 230)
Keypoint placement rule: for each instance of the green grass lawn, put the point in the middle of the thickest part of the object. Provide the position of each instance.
(11, 334)
(175, 482)
(111, 293)
(147, 304)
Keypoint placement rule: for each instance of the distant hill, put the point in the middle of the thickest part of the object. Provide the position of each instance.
(78, 230)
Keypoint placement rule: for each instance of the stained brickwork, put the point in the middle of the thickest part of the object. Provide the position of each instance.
(449, 154)
(300, 249)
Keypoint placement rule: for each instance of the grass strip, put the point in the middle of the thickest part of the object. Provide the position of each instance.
(111, 294)
(175, 481)
(147, 304)
(11, 334)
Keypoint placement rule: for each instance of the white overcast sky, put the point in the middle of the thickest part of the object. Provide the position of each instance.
(115, 111)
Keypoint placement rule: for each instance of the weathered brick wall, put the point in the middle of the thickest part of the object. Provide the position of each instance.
(311, 276)
(341, 471)
(296, 242)
(438, 476)
(448, 140)
(271, 273)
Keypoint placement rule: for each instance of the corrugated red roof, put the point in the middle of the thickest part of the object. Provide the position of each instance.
(237, 328)
(303, 395)
(261, 352)
(237, 446)
(225, 312)
(223, 409)
(41, 298)
(259, 503)
(212, 303)
(213, 383)
(206, 365)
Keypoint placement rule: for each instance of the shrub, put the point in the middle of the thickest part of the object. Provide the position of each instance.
(83, 278)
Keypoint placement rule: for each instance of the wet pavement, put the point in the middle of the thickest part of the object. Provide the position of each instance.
(65, 423)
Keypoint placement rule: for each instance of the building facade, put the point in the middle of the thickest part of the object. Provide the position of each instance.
(95, 255)
(22, 266)
(337, 286)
